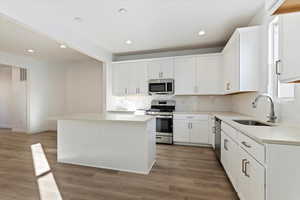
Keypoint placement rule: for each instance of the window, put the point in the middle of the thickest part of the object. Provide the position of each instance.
(277, 89)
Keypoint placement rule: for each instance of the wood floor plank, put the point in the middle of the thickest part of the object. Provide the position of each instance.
(180, 173)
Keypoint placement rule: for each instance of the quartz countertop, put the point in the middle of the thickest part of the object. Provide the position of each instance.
(109, 116)
(284, 134)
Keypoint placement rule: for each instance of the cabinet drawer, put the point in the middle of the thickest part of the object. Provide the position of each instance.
(191, 117)
(229, 131)
(252, 147)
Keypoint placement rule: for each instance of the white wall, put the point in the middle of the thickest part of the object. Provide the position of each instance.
(286, 110)
(84, 87)
(5, 96)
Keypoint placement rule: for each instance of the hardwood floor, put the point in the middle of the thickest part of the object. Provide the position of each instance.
(181, 173)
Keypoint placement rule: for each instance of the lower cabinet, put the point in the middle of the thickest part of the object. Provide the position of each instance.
(246, 174)
(251, 178)
(191, 129)
(230, 159)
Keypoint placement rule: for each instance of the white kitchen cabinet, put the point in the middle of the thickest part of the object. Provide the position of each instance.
(198, 75)
(199, 132)
(241, 61)
(139, 78)
(181, 131)
(230, 159)
(246, 174)
(209, 74)
(185, 75)
(191, 129)
(120, 84)
(129, 78)
(161, 69)
(289, 43)
(251, 178)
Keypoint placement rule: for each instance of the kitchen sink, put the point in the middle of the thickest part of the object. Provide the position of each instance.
(251, 123)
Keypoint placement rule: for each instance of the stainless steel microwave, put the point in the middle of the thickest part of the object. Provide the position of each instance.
(161, 86)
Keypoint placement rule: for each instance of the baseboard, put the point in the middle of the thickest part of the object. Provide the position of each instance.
(193, 144)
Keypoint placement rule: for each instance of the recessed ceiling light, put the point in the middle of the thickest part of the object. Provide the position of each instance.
(128, 42)
(78, 19)
(30, 50)
(122, 10)
(62, 46)
(201, 33)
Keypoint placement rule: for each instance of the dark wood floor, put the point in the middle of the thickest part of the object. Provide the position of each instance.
(181, 173)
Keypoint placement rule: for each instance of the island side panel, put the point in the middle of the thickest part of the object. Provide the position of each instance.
(151, 139)
(104, 144)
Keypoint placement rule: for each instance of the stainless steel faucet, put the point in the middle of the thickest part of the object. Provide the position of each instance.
(272, 117)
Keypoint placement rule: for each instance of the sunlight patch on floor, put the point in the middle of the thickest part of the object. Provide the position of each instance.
(47, 185)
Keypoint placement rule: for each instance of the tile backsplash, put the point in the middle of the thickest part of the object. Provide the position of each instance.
(183, 103)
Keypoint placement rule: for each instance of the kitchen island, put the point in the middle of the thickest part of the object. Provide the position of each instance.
(124, 142)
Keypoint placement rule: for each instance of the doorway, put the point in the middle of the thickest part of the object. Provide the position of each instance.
(13, 99)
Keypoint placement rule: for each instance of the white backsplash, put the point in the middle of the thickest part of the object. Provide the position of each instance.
(183, 103)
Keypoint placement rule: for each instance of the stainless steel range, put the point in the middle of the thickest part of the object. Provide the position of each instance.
(163, 111)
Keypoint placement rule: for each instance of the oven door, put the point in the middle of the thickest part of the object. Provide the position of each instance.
(164, 125)
(157, 88)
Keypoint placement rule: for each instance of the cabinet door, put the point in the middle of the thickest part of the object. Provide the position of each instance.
(251, 179)
(167, 68)
(199, 132)
(154, 71)
(138, 77)
(230, 159)
(185, 75)
(209, 74)
(231, 64)
(120, 79)
(181, 129)
(289, 47)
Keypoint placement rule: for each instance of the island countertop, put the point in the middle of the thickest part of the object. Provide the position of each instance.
(104, 117)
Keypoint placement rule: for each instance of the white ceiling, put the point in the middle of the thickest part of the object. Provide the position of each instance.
(17, 39)
(150, 24)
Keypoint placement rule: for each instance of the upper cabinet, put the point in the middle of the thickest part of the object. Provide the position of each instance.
(129, 78)
(241, 61)
(289, 42)
(161, 69)
(198, 75)
(275, 7)
(185, 75)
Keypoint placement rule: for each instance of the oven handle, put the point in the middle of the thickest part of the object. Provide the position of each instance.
(164, 117)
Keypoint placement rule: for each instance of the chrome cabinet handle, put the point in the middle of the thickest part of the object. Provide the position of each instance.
(277, 66)
(243, 165)
(191, 125)
(246, 168)
(126, 91)
(225, 144)
(246, 145)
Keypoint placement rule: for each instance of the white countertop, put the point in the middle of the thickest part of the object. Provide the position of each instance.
(104, 117)
(286, 134)
(277, 134)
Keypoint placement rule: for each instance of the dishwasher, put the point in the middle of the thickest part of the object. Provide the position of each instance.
(217, 130)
